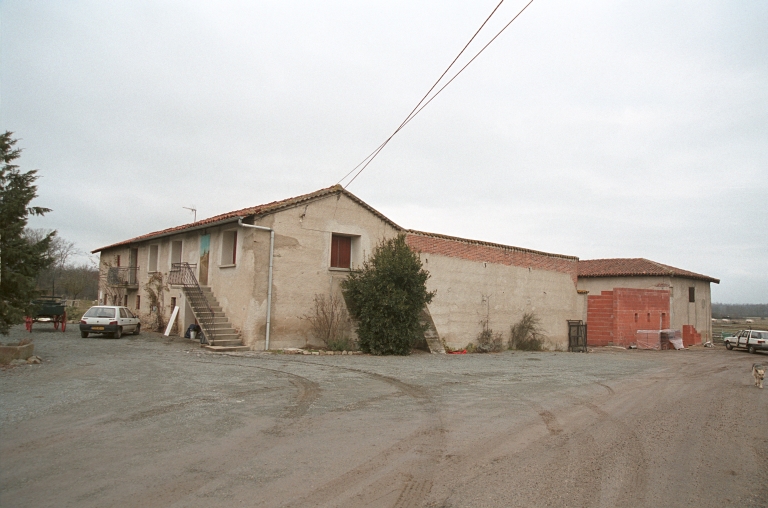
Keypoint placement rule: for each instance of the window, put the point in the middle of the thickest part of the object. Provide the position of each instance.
(176, 252)
(635, 317)
(125, 301)
(341, 251)
(153, 258)
(138, 302)
(117, 260)
(691, 294)
(100, 312)
(123, 314)
(229, 248)
(173, 302)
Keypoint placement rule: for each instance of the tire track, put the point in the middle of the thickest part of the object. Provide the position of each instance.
(419, 454)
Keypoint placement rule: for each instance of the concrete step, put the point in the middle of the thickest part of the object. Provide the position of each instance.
(217, 316)
(220, 330)
(225, 342)
(226, 336)
(222, 349)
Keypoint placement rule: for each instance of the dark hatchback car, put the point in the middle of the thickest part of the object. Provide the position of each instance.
(109, 320)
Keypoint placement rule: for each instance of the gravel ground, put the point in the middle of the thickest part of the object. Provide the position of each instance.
(154, 421)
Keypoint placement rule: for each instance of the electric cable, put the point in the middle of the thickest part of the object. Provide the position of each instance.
(410, 115)
(419, 107)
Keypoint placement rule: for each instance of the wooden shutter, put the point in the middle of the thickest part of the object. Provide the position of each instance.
(341, 251)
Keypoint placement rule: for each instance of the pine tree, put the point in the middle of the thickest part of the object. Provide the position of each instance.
(20, 259)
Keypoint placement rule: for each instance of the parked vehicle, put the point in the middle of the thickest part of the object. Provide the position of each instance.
(48, 309)
(751, 340)
(109, 320)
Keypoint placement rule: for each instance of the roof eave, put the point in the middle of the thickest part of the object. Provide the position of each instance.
(679, 276)
(162, 234)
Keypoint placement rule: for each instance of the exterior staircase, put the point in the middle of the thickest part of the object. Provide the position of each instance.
(220, 335)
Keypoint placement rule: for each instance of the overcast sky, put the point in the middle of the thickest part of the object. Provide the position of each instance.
(595, 129)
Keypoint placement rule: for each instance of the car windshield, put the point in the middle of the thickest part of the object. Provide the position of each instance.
(104, 312)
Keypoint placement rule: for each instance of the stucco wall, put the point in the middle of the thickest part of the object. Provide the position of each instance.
(478, 282)
(682, 312)
(301, 267)
(108, 258)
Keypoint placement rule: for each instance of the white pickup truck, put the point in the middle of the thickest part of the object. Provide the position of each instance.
(752, 340)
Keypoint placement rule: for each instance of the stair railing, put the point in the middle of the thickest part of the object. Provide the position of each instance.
(183, 274)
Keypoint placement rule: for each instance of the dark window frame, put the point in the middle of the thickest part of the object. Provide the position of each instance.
(341, 251)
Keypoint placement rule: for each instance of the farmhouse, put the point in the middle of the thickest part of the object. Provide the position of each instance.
(251, 277)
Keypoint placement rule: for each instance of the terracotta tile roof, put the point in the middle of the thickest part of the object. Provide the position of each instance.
(489, 244)
(253, 211)
(635, 267)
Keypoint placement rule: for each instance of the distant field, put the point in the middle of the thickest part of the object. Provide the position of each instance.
(720, 329)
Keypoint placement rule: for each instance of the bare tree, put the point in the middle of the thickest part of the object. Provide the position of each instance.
(59, 250)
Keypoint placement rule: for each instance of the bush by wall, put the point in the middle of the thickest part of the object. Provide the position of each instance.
(527, 334)
(386, 297)
(488, 341)
(329, 322)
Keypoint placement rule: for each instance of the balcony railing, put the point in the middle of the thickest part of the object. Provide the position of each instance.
(123, 276)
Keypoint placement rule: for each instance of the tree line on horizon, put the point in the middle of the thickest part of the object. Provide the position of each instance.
(739, 310)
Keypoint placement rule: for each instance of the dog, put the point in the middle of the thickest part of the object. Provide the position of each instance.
(758, 371)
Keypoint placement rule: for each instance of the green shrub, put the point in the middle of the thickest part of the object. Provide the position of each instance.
(526, 334)
(386, 297)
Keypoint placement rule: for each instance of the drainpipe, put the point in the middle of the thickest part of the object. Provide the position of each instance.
(271, 256)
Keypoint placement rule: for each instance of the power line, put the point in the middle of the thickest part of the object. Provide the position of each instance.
(411, 114)
(416, 110)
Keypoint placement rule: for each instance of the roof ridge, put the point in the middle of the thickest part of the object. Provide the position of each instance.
(257, 210)
(631, 267)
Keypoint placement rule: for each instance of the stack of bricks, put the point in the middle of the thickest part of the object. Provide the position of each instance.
(690, 336)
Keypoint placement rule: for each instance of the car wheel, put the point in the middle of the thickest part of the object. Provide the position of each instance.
(118, 333)
(84, 335)
(138, 329)
(752, 349)
(728, 346)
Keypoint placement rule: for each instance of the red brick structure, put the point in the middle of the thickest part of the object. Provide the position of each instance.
(475, 250)
(688, 310)
(690, 336)
(614, 317)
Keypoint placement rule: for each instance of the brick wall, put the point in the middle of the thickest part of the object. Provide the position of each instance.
(600, 319)
(614, 317)
(690, 336)
(493, 253)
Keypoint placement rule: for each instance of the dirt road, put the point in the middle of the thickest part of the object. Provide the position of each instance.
(151, 421)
